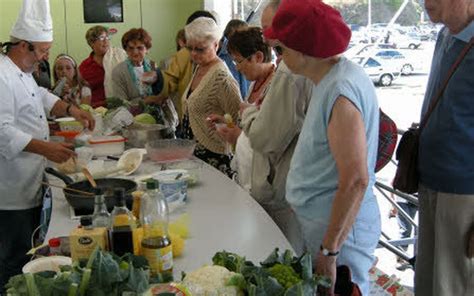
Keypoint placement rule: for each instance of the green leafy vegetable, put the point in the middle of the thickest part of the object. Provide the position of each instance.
(100, 275)
(113, 103)
(277, 275)
(231, 261)
(285, 275)
(31, 286)
(73, 290)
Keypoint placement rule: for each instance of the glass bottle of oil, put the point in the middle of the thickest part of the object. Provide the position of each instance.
(156, 245)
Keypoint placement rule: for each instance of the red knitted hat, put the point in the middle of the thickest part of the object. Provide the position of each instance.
(310, 27)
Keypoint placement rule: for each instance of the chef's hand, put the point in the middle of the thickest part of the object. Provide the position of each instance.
(83, 117)
(326, 266)
(229, 134)
(58, 152)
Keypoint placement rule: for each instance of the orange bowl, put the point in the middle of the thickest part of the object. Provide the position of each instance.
(68, 135)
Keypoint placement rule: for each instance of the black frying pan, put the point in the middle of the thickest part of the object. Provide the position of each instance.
(85, 202)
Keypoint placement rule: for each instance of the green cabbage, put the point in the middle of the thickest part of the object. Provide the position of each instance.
(144, 118)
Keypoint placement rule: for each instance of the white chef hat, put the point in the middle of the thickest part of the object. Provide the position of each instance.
(34, 22)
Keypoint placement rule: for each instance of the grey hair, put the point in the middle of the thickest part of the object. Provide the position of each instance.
(202, 29)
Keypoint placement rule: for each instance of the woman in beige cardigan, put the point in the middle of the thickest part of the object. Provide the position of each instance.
(212, 90)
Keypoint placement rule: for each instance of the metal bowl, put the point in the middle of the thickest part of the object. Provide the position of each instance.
(138, 135)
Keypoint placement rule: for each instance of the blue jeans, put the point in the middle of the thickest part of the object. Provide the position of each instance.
(405, 226)
(359, 246)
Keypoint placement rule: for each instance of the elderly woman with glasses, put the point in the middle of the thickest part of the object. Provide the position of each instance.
(253, 58)
(259, 171)
(92, 69)
(132, 78)
(128, 79)
(329, 185)
(212, 90)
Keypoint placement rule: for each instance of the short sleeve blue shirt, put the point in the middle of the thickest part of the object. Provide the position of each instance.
(313, 178)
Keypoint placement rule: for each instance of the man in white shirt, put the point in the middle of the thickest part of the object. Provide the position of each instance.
(24, 134)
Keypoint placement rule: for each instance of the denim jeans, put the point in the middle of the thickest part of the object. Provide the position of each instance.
(358, 248)
(405, 226)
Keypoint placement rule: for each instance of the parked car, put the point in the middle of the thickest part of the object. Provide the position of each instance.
(409, 40)
(406, 66)
(357, 49)
(380, 74)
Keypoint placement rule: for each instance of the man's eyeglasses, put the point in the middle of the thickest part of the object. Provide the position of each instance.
(102, 38)
(196, 49)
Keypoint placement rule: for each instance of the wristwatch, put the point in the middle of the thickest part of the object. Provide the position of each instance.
(326, 252)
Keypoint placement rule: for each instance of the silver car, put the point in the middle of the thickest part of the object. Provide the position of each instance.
(379, 73)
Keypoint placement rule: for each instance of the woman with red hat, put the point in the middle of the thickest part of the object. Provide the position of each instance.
(332, 170)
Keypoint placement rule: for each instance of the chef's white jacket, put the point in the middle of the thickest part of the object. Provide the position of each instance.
(22, 118)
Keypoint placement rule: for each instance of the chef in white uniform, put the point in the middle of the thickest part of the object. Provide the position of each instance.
(24, 133)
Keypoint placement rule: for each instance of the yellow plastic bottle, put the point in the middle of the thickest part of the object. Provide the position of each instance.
(84, 240)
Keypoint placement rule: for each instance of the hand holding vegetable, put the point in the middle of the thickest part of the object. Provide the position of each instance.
(229, 134)
(214, 119)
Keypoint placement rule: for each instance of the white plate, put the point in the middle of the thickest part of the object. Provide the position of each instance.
(133, 157)
(50, 263)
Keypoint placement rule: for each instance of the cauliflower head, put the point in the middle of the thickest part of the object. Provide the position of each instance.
(211, 281)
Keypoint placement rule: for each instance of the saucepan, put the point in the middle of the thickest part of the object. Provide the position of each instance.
(84, 202)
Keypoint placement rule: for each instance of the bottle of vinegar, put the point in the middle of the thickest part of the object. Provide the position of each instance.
(123, 224)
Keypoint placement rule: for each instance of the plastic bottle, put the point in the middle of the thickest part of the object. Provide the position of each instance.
(83, 240)
(100, 217)
(54, 246)
(123, 224)
(156, 245)
(136, 207)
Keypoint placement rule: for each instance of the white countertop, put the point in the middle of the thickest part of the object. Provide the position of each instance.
(222, 217)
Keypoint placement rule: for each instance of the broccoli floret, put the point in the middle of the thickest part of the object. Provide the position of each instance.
(285, 275)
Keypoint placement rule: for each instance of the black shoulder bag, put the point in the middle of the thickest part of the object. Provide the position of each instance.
(407, 175)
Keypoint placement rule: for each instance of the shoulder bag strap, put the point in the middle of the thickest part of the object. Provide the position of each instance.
(453, 68)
